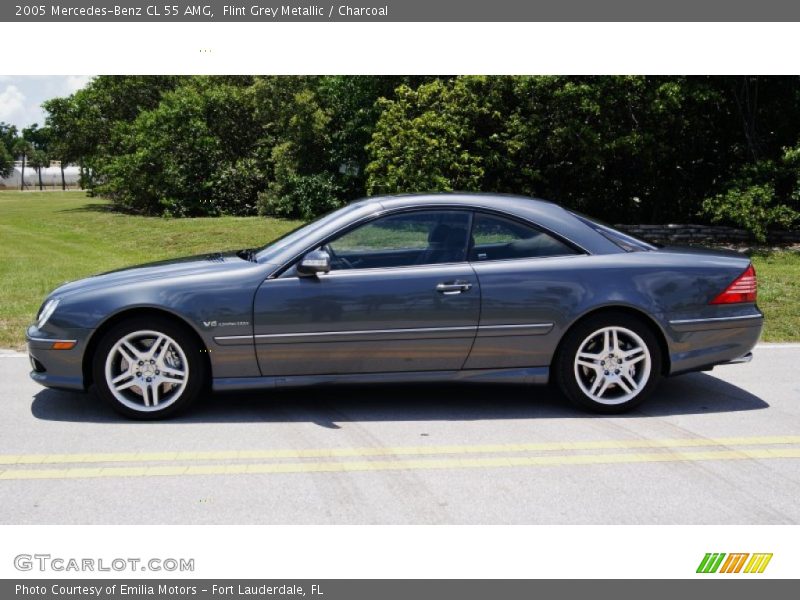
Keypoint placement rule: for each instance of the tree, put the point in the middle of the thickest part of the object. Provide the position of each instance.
(351, 102)
(64, 124)
(765, 194)
(635, 149)
(316, 130)
(38, 160)
(39, 139)
(188, 156)
(22, 148)
(425, 139)
(624, 148)
(297, 123)
(6, 161)
(91, 123)
(8, 137)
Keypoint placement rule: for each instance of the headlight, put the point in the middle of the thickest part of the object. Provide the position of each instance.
(47, 311)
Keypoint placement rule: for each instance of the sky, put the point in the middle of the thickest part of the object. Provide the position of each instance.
(21, 96)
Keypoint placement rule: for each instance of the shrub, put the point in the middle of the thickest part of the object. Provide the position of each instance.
(765, 195)
(752, 207)
(301, 196)
(236, 187)
(189, 156)
(422, 138)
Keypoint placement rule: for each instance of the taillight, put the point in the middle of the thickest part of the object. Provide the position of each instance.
(742, 289)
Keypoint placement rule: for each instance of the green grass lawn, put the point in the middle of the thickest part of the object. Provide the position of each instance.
(47, 238)
(52, 237)
(779, 294)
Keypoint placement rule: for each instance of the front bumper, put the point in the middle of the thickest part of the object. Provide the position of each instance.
(62, 369)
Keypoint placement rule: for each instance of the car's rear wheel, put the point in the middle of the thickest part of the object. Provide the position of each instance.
(148, 368)
(609, 363)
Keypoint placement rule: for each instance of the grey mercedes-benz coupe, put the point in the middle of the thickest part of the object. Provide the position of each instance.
(439, 287)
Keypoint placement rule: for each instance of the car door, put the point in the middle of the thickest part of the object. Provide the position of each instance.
(400, 296)
(528, 288)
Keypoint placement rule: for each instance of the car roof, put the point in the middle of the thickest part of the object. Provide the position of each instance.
(544, 214)
(490, 200)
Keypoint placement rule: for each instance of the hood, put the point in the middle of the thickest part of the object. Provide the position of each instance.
(177, 267)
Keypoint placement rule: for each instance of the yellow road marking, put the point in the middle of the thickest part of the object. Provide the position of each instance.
(184, 456)
(395, 465)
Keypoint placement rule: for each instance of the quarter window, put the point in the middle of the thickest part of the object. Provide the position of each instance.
(498, 238)
(401, 240)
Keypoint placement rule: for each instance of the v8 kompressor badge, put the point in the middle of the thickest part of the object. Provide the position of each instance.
(212, 324)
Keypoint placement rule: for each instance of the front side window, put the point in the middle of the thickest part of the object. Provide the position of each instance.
(498, 238)
(268, 252)
(402, 240)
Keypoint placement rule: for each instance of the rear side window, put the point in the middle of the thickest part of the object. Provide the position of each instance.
(498, 238)
(625, 241)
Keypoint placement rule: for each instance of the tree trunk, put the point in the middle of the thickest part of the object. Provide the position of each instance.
(39, 171)
(22, 176)
(63, 181)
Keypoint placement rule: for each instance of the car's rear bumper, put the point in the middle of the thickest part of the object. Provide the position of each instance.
(62, 369)
(699, 344)
(745, 358)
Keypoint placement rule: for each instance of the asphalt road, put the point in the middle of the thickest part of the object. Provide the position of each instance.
(720, 447)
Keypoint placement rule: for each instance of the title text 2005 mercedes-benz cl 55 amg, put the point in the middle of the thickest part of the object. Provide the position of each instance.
(450, 287)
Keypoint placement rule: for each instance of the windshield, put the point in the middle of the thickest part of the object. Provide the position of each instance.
(262, 254)
(626, 241)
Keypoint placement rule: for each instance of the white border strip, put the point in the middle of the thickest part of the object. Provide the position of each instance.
(402, 48)
(422, 551)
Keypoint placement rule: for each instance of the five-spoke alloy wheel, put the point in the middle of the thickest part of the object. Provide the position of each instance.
(609, 363)
(148, 368)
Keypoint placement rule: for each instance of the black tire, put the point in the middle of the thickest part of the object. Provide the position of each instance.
(173, 404)
(565, 367)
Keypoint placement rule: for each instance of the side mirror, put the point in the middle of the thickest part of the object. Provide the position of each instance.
(313, 263)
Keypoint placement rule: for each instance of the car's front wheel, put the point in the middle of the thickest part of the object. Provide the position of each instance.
(609, 363)
(148, 368)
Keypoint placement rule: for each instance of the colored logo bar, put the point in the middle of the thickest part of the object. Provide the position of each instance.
(737, 562)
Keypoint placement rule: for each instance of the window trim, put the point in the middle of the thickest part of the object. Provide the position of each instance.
(471, 210)
(374, 217)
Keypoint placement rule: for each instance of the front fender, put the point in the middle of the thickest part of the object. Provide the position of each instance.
(210, 307)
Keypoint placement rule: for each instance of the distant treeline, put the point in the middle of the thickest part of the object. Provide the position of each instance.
(627, 149)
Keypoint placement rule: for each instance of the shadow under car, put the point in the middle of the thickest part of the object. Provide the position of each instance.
(694, 393)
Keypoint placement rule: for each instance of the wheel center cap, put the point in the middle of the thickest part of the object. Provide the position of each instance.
(148, 370)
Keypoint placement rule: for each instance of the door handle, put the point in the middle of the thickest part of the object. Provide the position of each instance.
(453, 287)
